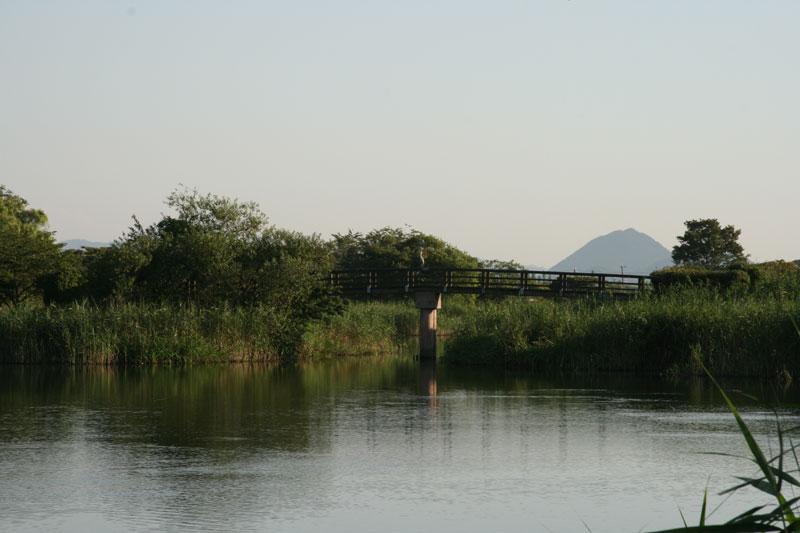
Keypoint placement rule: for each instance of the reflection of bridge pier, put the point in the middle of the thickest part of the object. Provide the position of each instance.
(428, 384)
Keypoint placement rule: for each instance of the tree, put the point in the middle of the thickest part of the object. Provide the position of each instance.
(499, 264)
(28, 252)
(68, 282)
(288, 269)
(213, 250)
(397, 248)
(194, 254)
(707, 244)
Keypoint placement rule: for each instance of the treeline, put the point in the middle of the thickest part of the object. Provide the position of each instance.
(212, 280)
(208, 251)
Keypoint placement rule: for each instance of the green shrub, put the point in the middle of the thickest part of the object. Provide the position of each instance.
(778, 278)
(681, 277)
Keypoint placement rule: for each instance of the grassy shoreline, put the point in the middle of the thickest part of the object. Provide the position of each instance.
(146, 334)
(141, 335)
(663, 335)
(746, 336)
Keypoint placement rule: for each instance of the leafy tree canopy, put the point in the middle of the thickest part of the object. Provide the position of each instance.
(498, 264)
(707, 244)
(28, 251)
(230, 217)
(14, 212)
(191, 255)
(397, 248)
(211, 250)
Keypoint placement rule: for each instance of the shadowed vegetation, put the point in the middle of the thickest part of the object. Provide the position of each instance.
(213, 281)
(735, 336)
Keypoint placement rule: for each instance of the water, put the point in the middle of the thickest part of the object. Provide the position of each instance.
(360, 445)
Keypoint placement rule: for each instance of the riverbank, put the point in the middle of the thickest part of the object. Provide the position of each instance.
(134, 334)
(146, 334)
(733, 336)
(751, 336)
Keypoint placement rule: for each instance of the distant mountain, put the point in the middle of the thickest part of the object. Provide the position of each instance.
(638, 252)
(77, 244)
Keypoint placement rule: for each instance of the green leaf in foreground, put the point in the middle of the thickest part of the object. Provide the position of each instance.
(781, 517)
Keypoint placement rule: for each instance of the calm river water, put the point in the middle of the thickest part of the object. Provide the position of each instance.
(360, 445)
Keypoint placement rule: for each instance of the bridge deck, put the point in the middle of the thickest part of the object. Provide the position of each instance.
(378, 282)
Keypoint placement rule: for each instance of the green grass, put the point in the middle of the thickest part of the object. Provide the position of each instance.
(146, 334)
(747, 336)
(363, 328)
(143, 335)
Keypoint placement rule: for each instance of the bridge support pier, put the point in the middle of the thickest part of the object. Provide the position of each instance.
(428, 304)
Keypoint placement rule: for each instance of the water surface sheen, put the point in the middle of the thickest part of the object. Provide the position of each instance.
(360, 445)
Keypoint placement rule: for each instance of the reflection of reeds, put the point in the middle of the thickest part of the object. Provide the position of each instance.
(750, 336)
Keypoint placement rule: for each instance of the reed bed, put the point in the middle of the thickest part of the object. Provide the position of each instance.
(134, 334)
(362, 328)
(747, 336)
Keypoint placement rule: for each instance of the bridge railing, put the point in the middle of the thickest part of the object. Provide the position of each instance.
(486, 281)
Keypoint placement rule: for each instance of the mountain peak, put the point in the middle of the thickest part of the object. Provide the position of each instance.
(629, 249)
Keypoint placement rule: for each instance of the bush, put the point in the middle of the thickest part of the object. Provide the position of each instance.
(681, 277)
(775, 278)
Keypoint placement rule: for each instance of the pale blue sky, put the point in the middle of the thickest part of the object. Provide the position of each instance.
(513, 129)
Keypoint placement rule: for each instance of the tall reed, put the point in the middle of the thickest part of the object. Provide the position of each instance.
(735, 336)
(134, 334)
(362, 328)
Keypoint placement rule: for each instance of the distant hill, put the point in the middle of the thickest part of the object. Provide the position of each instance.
(77, 244)
(640, 253)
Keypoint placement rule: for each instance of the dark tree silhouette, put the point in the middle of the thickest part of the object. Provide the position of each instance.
(707, 244)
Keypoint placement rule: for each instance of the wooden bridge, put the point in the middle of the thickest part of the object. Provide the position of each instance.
(428, 285)
(486, 282)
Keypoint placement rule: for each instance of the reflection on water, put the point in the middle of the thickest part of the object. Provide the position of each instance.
(357, 445)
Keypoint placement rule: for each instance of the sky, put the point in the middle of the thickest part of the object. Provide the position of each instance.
(513, 129)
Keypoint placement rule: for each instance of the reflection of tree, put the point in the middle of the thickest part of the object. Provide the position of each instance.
(214, 407)
(241, 443)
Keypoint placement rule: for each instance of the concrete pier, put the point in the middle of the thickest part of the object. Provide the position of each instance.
(428, 304)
